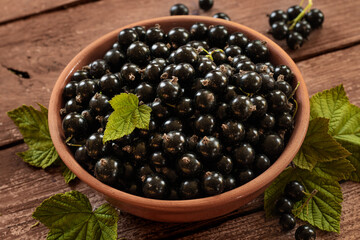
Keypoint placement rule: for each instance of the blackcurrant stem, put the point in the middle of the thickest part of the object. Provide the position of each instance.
(293, 92)
(35, 224)
(296, 108)
(301, 3)
(73, 145)
(68, 139)
(301, 15)
(306, 203)
(247, 94)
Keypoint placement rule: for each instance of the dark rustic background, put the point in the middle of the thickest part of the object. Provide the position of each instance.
(38, 38)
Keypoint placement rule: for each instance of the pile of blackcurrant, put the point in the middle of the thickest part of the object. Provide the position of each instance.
(295, 24)
(294, 192)
(221, 112)
(181, 9)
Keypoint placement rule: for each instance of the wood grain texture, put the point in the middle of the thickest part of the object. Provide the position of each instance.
(44, 44)
(15, 10)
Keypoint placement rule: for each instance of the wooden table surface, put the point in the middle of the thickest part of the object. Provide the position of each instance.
(38, 38)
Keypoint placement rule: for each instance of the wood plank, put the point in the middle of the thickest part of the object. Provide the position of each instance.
(15, 10)
(43, 45)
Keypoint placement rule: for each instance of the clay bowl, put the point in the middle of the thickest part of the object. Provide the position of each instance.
(182, 210)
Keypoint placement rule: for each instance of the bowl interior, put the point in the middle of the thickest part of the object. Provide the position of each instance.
(97, 50)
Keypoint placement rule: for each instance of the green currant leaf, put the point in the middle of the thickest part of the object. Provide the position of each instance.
(323, 210)
(336, 170)
(344, 117)
(354, 159)
(70, 216)
(276, 190)
(127, 116)
(318, 146)
(33, 125)
(67, 173)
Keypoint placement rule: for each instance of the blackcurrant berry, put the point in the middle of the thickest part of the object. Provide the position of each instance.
(206, 4)
(98, 68)
(153, 35)
(174, 143)
(287, 221)
(70, 90)
(188, 165)
(126, 37)
(224, 165)
(95, 146)
(198, 31)
(213, 183)
(179, 9)
(185, 54)
(138, 53)
(216, 81)
(294, 190)
(315, 17)
(272, 145)
(160, 50)
(232, 132)
(238, 39)
(110, 85)
(108, 170)
(185, 73)
(169, 91)
(277, 16)
(284, 205)
(293, 12)
(74, 125)
(261, 163)
(241, 107)
(244, 154)
(303, 27)
(204, 100)
(114, 59)
(294, 40)
(209, 148)
(130, 73)
(189, 189)
(178, 36)
(217, 36)
(155, 186)
(99, 104)
(172, 124)
(257, 51)
(279, 30)
(245, 175)
(204, 125)
(305, 232)
(145, 92)
(222, 16)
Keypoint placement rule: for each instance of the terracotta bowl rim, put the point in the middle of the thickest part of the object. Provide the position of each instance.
(261, 181)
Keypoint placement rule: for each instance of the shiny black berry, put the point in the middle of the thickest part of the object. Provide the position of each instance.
(244, 154)
(174, 143)
(169, 91)
(114, 59)
(80, 75)
(204, 125)
(98, 68)
(293, 12)
(138, 53)
(179, 9)
(153, 35)
(232, 132)
(245, 175)
(172, 124)
(74, 125)
(159, 110)
(185, 73)
(222, 16)
(188, 165)
(157, 160)
(130, 74)
(279, 30)
(204, 100)
(198, 31)
(206, 4)
(241, 107)
(277, 101)
(140, 30)
(94, 145)
(209, 148)
(99, 104)
(107, 170)
(272, 145)
(218, 36)
(178, 36)
(185, 54)
(126, 37)
(303, 27)
(305, 232)
(284, 205)
(70, 90)
(277, 16)
(85, 90)
(260, 104)
(315, 17)
(145, 92)
(261, 163)
(184, 108)
(224, 165)
(294, 40)
(287, 221)
(189, 189)
(213, 183)
(257, 51)
(110, 85)
(155, 186)
(238, 39)
(294, 190)
(250, 82)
